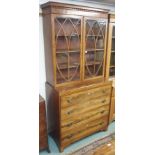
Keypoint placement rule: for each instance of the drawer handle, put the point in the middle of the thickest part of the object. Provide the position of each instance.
(102, 112)
(79, 131)
(104, 91)
(69, 100)
(70, 136)
(69, 112)
(101, 124)
(103, 101)
(70, 124)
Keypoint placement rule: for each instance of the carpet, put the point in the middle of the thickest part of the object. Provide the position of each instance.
(97, 146)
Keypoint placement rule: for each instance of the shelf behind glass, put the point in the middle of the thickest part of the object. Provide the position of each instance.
(93, 49)
(59, 51)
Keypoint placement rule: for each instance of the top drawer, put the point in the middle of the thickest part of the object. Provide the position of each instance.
(86, 95)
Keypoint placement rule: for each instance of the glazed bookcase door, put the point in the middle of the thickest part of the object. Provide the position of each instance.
(67, 30)
(112, 58)
(94, 47)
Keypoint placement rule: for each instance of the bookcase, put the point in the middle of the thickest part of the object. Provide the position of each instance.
(75, 45)
(75, 41)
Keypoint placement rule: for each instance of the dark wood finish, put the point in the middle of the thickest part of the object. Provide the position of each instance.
(43, 137)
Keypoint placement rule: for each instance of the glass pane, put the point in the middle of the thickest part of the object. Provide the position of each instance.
(62, 65)
(94, 50)
(74, 66)
(93, 63)
(112, 61)
(68, 36)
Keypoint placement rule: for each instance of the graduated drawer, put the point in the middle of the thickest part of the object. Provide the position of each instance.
(84, 96)
(77, 124)
(84, 131)
(82, 109)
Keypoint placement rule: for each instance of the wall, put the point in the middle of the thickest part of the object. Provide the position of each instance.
(42, 76)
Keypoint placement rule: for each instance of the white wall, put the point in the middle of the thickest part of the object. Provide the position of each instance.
(42, 75)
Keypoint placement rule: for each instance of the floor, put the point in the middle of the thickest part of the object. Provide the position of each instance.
(108, 149)
(55, 151)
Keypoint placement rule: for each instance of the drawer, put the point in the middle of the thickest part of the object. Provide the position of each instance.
(76, 125)
(79, 117)
(88, 101)
(84, 108)
(85, 131)
(85, 96)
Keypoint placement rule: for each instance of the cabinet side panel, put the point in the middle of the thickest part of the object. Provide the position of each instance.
(47, 29)
(52, 98)
(51, 121)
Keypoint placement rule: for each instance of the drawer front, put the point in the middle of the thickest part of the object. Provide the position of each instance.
(77, 124)
(83, 108)
(79, 117)
(84, 131)
(85, 96)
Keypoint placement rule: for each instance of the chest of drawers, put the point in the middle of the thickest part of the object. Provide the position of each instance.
(80, 111)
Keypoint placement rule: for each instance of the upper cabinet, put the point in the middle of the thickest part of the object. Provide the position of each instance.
(110, 69)
(75, 40)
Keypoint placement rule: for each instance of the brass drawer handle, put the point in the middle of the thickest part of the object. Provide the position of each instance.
(70, 136)
(101, 124)
(69, 112)
(80, 131)
(70, 124)
(103, 101)
(102, 112)
(104, 91)
(69, 100)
